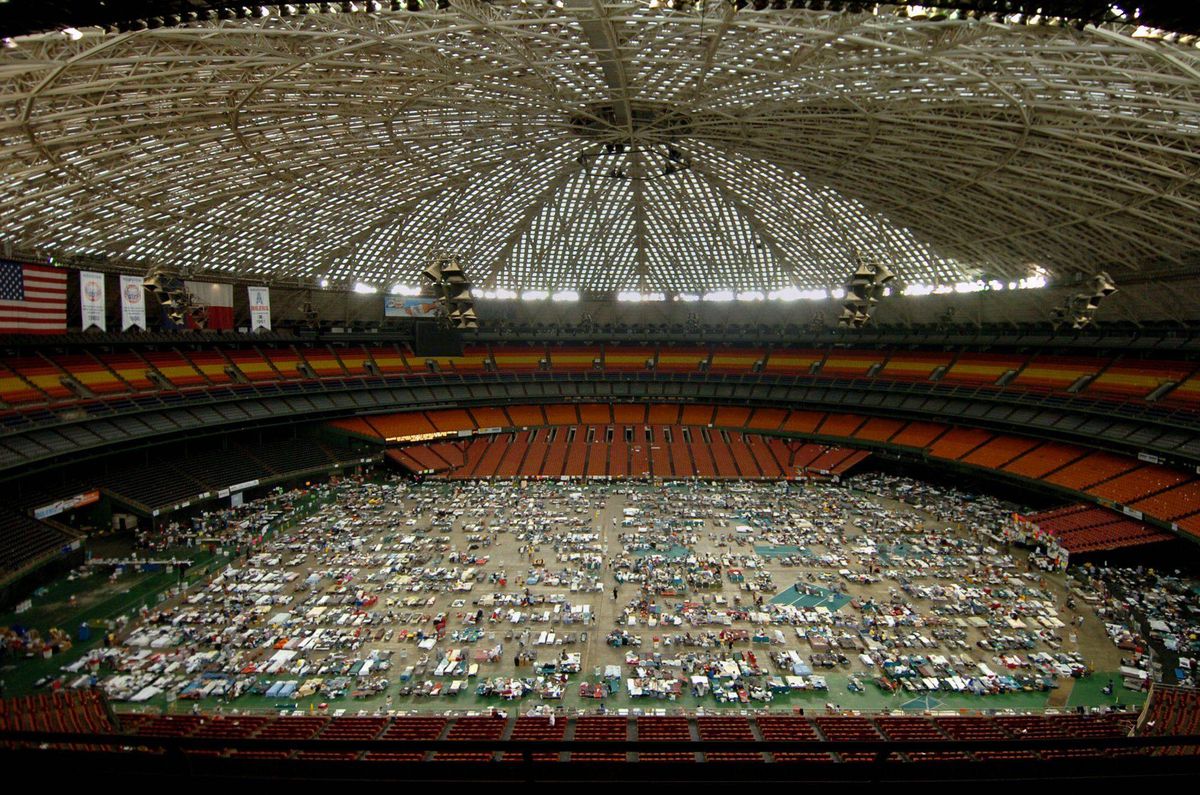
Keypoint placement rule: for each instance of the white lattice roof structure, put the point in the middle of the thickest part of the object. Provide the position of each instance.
(604, 146)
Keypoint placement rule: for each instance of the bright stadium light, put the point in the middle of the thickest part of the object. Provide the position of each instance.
(563, 296)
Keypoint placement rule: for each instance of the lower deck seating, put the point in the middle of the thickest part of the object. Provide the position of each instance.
(848, 727)
(1169, 711)
(25, 540)
(734, 728)
(530, 727)
(480, 727)
(723, 442)
(600, 727)
(1172, 710)
(973, 727)
(919, 729)
(651, 728)
(791, 727)
(74, 712)
(211, 469)
(408, 728)
(1087, 528)
(616, 451)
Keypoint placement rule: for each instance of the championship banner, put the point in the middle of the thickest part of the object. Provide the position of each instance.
(91, 300)
(133, 303)
(260, 308)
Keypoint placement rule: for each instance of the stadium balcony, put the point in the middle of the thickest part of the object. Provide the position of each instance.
(826, 746)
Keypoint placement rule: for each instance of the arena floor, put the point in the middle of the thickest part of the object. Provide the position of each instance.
(404, 546)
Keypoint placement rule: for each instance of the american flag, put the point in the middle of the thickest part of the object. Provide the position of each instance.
(33, 299)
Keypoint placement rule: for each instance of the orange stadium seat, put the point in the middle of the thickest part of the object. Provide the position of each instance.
(42, 374)
(1056, 372)
(574, 358)
(452, 420)
(957, 442)
(999, 451)
(91, 373)
(354, 359)
(518, 358)
(15, 390)
(981, 368)
(323, 362)
(1187, 394)
(595, 413)
(488, 417)
(681, 360)
(1138, 379)
(562, 415)
(697, 415)
(735, 361)
(1174, 503)
(1044, 458)
(731, 417)
(766, 419)
(175, 368)
(255, 366)
(792, 361)
(840, 425)
(663, 414)
(842, 364)
(621, 358)
(1093, 468)
(909, 366)
(629, 413)
(919, 435)
(802, 421)
(213, 365)
(1140, 482)
(388, 359)
(878, 429)
(473, 360)
(527, 416)
(399, 426)
(130, 368)
(286, 361)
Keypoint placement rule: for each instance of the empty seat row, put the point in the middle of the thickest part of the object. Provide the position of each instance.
(43, 378)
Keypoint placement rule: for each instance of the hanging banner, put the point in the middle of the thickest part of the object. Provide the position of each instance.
(68, 504)
(402, 306)
(133, 303)
(91, 300)
(217, 299)
(260, 308)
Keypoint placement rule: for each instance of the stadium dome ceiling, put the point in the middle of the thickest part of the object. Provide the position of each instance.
(603, 146)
